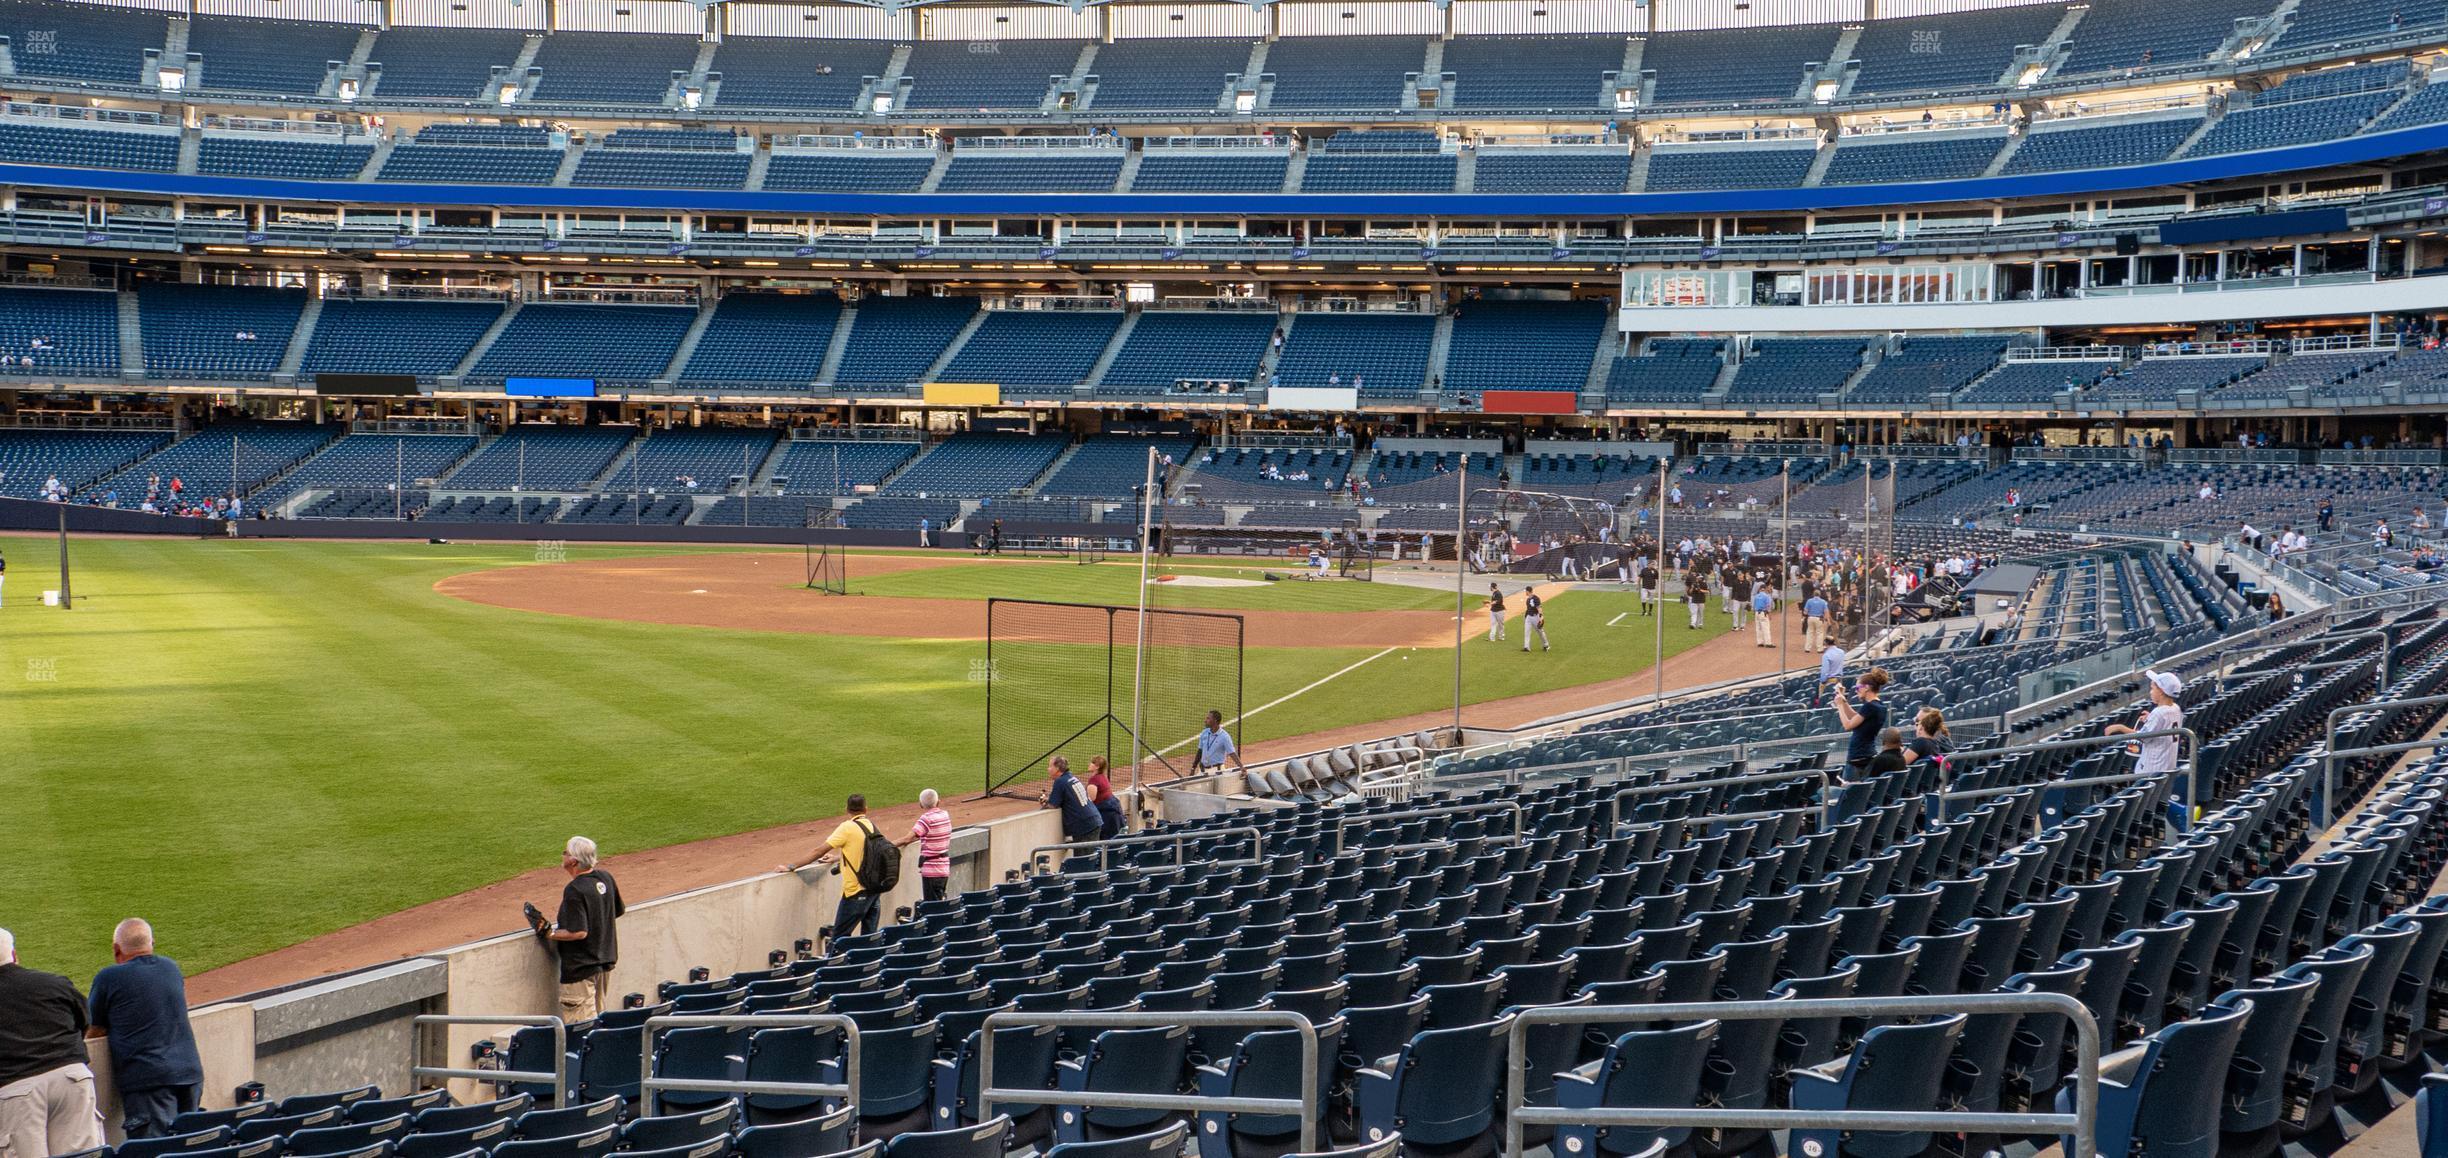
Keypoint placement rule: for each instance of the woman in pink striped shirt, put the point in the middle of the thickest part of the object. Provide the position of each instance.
(933, 832)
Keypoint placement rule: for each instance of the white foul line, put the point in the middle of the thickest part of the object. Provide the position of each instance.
(1618, 618)
(1281, 700)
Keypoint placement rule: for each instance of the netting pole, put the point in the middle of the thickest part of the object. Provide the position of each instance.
(1461, 580)
(1866, 596)
(1784, 553)
(1658, 658)
(1147, 509)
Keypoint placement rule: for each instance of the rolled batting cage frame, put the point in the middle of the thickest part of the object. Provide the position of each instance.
(1166, 668)
(828, 568)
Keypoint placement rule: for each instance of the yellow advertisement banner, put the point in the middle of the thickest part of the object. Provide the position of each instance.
(964, 394)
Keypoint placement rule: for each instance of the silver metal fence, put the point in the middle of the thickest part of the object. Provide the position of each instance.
(1520, 831)
(558, 1076)
(846, 1089)
(1176, 839)
(2331, 754)
(2081, 1125)
(1306, 1105)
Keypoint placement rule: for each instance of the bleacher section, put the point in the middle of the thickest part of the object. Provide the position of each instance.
(220, 458)
(1932, 54)
(2047, 150)
(2140, 34)
(1016, 74)
(1925, 366)
(193, 331)
(1671, 371)
(28, 143)
(978, 465)
(610, 343)
(1723, 66)
(682, 460)
(296, 157)
(848, 171)
(2321, 372)
(542, 457)
(1794, 371)
(1113, 467)
(1034, 348)
(31, 458)
(441, 63)
(1032, 171)
(1379, 172)
(1353, 73)
(2318, 24)
(2381, 76)
(1386, 355)
(370, 462)
(375, 336)
(2293, 123)
(838, 466)
(781, 72)
(895, 339)
(1927, 156)
(611, 68)
(1532, 73)
(1530, 345)
(617, 162)
(2156, 381)
(2429, 106)
(1210, 171)
(2034, 383)
(1166, 73)
(484, 154)
(81, 42)
(1550, 171)
(59, 331)
(765, 341)
(1169, 346)
(1690, 168)
(268, 56)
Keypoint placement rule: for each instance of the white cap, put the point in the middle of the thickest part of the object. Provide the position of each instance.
(2166, 682)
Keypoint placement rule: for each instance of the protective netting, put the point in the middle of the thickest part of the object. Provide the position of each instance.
(1060, 678)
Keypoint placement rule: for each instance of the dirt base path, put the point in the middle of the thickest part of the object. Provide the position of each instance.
(493, 909)
(755, 591)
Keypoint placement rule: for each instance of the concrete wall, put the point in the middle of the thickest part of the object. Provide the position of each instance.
(358, 1028)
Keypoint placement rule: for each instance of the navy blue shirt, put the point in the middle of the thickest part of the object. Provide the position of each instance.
(1079, 811)
(142, 1003)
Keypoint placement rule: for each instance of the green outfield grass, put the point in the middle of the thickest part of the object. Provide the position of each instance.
(253, 742)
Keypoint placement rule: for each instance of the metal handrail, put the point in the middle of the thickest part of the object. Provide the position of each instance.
(2188, 755)
(2081, 1125)
(2388, 647)
(1306, 1105)
(2331, 754)
(1176, 839)
(559, 1077)
(847, 1089)
(1520, 827)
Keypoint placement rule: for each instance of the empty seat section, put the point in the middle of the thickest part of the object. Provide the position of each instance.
(1187, 74)
(441, 63)
(623, 68)
(848, 171)
(1552, 171)
(642, 507)
(63, 143)
(374, 462)
(2031, 383)
(1170, 346)
(1112, 466)
(614, 163)
(1386, 161)
(2380, 76)
(82, 42)
(1938, 53)
(1794, 371)
(1528, 345)
(213, 461)
(296, 157)
(2101, 147)
(2136, 34)
(2293, 123)
(1935, 156)
(59, 331)
(373, 336)
(671, 459)
(782, 72)
(1720, 66)
(765, 341)
(1385, 355)
(2158, 380)
(30, 458)
(2318, 24)
(838, 466)
(987, 74)
(1683, 170)
(1532, 73)
(979, 465)
(1040, 348)
(484, 154)
(889, 513)
(2427, 107)
(1671, 371)
(1211, 171)
(542, 457)
(274, 56)
(894, 339)
(1342, 72)
(1926, 366)
(1032, 171)
(609, 343)
(194, 331)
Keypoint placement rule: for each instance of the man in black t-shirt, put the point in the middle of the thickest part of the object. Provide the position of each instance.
(584, 932)
(46, 1089)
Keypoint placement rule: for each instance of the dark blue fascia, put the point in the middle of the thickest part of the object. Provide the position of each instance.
(2348, 151)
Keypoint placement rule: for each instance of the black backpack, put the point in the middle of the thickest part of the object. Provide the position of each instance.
(879, 866)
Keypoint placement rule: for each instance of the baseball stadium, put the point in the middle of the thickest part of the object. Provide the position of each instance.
(1255, 579)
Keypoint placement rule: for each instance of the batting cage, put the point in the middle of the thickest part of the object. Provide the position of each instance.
(1545, 533)
(1071, 679)
(827, 569)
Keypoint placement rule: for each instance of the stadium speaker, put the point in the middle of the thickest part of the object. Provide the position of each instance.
(2128, 244)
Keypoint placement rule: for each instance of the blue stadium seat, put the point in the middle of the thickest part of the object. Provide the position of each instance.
(611, 68)
(1348, 73)
(894, 339)
(1165, 72)
(440, 63)
(293, 156)
(1142, 1061)
(1048, 350)
(1265, 1065)
(613, 344)
(62, 144)
(1688, 168)
(1210, 171)
(407, 336)
(848, 171)
(581, 1119)
(268, 56)
(1896, 1067)
(1525, 345)
(691, 1128)
(597, 1143)
(783, 72)
(1017, 74)
(1439, 1093)
(77, 331)
(1162, 1143)
(1723, 66)
(347, 1139)
(1532, 73)
(1645, 1068)
(82, 42)
(827, 1132)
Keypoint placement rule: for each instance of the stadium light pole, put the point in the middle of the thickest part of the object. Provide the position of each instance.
(1147, 507)
(1461, 581)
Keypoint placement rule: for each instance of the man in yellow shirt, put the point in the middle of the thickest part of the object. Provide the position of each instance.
(848, 847)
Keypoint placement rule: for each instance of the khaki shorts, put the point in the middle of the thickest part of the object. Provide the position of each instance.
(53, 1112)
(584, 1000)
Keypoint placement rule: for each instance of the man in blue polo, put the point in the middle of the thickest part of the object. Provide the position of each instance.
(140, 1006)
(1215, 746)
(1814, 622)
